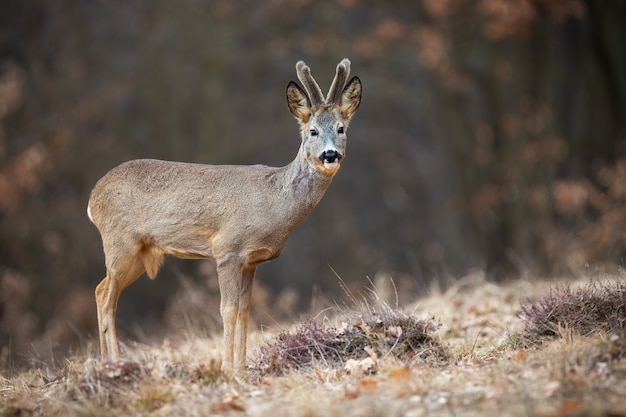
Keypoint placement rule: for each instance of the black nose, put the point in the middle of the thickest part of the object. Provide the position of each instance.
(330, 156)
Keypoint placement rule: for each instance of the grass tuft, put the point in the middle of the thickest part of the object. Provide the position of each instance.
(378, 331)
(586, 311)
(105, 383)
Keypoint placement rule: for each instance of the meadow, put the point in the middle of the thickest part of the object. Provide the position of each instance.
(524, 348)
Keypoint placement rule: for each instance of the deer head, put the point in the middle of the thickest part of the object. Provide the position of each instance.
(324, 121)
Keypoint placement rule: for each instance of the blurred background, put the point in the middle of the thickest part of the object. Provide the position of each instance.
(491, 137)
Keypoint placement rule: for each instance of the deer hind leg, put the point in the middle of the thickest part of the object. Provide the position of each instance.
(229, 274)
(107, 296)
(101, 291)
(241, 335)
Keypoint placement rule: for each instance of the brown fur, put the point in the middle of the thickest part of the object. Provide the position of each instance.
(152, 258)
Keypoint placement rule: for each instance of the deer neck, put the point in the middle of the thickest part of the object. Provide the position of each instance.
(303, 185)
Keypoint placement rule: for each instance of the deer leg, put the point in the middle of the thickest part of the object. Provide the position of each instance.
(101, 291)
(107, 295)
(229, 274)
(242, 317)
(109, 311)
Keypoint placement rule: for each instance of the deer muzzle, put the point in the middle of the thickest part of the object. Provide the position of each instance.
(330, 156)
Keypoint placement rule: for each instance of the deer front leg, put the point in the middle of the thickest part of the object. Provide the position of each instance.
(241, 336)
(229, 274)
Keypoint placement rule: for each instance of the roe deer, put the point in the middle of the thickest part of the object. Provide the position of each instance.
(237, 216)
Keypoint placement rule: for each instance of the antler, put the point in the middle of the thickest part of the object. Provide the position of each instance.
(311, 87)
(336, 88)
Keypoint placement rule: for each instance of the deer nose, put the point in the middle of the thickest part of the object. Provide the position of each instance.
(330, 156)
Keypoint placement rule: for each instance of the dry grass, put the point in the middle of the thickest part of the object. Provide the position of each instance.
(466, 362)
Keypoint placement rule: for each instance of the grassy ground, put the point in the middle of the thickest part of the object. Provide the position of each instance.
(463, 352)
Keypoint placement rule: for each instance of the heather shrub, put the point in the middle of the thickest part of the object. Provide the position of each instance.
(373, 331)
(586, 310)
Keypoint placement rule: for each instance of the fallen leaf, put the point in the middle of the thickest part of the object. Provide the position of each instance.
(352, 391)
(395, 331)
(228, 404)
(520, 355)
(359, 367)
(368, 384)
(569, 407)
(400, 376)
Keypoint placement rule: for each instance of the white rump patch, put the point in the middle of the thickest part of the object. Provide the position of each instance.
(89, 213)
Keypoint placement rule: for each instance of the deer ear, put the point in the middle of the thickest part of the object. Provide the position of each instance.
(350, 98)
(298, 102)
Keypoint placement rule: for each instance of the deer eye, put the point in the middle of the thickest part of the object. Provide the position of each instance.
(340, 130)
(313, 132)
